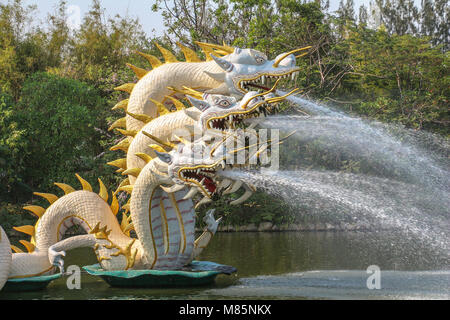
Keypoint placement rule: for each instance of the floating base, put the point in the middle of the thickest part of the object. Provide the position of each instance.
(198, 273)
(29, 284)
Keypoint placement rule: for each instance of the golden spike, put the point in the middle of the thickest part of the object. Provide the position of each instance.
(141, 117)
(114, 205)
(189, 54)
(84, 183)
(29, 230)
(140, 73)
(166, 144)
(206, 50)
(122, 145)
(127, 87)
(162, 110)
(125, 182)
(154, 61)
(16, 249)
(132, 133)
(178, 104)
(30, 247)
(65, 187)
(182, 140)
(103, 193)
(120, 163)
(126, 207)
(121, 105)
(147, 158)
(224, 50)
(48, 196)
(36, 210)
(96, 229)
(120, 170)
(168, 56)
(275, 65)
(127, 189)
(132, 172)
(157, 148)
(189, 91)
(121, 123)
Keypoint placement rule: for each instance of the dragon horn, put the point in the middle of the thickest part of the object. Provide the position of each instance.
(275, 65)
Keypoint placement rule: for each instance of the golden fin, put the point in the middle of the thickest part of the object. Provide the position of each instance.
(65, 187)
(127, 189)
(29, 230)
(120, 163)
(128, 133)
(178, 104)
(121, 105)
(141, 117)
(48, 196)
(121, 123)
(120, 170)
(147, 158)
(156, 139)
(122, 145)
(16, 249)
(103, 193)
(206, 50)
(168, 56)
(36, 210)
(215, 48)
(188, 91)
(157, 148)
(140, 73)
(189, 54)
(124, 182)
(162, 110)
(127, 87)
(30, 247)
(132, 172)
(114, 205)
(86, 186)
(154, 61)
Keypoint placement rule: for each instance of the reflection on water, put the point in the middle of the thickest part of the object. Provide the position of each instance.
(289, 265)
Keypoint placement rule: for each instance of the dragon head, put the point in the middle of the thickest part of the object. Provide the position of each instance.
(220, 112)
(245, 69)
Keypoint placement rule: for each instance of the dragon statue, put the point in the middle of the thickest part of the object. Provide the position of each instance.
(165, 169)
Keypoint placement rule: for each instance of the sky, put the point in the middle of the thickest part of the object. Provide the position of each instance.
(151, 21)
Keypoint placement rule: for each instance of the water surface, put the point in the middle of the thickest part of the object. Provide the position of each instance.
(289, 265)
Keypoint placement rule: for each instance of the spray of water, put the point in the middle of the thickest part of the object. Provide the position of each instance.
(375, 202)
(407, 189)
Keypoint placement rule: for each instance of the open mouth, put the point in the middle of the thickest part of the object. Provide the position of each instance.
(259, 82)
(202, 177)
(236, 119)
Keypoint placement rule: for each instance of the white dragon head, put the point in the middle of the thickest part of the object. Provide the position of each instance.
(248, 68)
(221, 112)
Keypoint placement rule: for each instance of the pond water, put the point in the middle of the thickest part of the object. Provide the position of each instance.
(290, 265)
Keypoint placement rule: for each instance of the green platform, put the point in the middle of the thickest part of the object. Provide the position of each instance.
(198, 273)
(29, 284)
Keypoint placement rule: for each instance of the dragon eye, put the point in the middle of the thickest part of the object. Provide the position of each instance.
(224, 103)
(260, 60)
